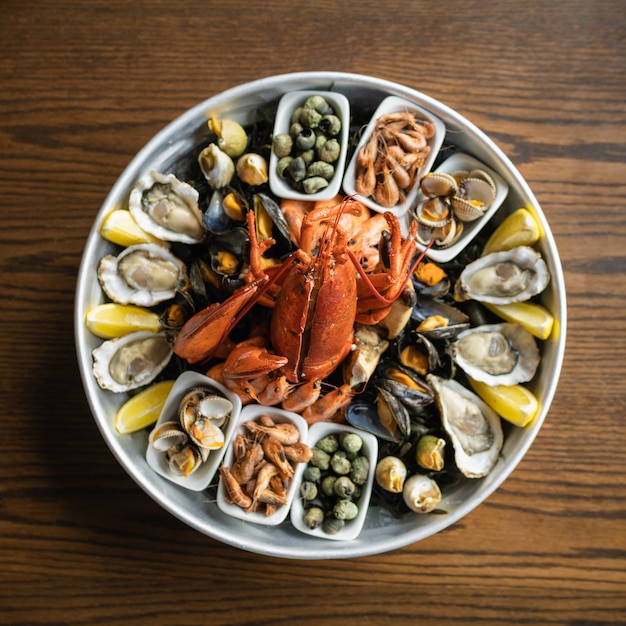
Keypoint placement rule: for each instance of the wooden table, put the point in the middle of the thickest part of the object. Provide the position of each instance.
(84, 85)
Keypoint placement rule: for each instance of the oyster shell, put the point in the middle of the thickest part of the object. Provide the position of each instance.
(144, 274)
(132, 361)
(514, 275)
(473, 427)
(497, 354)
(167, 208)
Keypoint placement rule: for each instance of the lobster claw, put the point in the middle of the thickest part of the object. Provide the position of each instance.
(250, 360)
(204, 332)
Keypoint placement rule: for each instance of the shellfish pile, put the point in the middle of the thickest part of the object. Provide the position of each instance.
(453, 351)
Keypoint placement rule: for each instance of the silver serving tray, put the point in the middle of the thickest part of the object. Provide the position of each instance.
(381, 532)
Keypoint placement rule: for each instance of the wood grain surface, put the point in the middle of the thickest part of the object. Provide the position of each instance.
(83, 86)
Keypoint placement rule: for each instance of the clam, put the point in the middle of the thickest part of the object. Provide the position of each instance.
(131, 361)
(167, 208)
(202, 414)
(439, 184)
(474, 197)
(497, 354)
(184, 460)
(144, 274)
(433, 212)
(473, 427)
(168, 435)
(514, 275)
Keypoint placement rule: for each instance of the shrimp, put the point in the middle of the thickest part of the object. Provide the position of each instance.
(286, 433)
(298, 453)
(275, 391)
(301, 397)
(243, 470)
(234, 492)
(263, 479)
(275, 453)
(325, 408)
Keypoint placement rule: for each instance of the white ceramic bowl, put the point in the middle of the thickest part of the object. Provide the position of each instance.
(253, 412)
(394, 104)
(370, 450)
(288, 103)
(381, 532)
(202, 477)
(460, 161)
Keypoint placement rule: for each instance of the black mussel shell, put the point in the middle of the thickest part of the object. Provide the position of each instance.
(395, 409)
(215, 218)
(363, 414)
(273, 210)
(413, 398)
(438, 290)
(411, 345)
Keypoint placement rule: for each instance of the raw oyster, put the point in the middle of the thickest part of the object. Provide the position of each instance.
(514, 275)
(167, 208)
(497, 354)
(131, 361)
(144, 274)
(474, 428)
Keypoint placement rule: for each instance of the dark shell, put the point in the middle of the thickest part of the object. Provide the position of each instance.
(415, 395)
(398, 411)
(273, 210)
(421, 345)
(215, 218)
(424, 308)
(362, 414)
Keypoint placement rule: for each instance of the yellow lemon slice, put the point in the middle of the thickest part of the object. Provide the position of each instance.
(114, 320)
(518, 229)
(120, 227)
(516, 403)
(143, 408)
(535, 318)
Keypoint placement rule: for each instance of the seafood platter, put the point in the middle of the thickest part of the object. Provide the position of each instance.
(320, 315)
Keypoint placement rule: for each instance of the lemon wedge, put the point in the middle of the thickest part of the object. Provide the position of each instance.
(114, 320)
(143, 408)
(535, 318)
(120, 227)
(516, 403)
(518, 229)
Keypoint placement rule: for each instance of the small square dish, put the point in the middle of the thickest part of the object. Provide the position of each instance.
(204, 465)
(311, 156)
(267, 516)
(351, 528)
(461, 162)
(389, 106)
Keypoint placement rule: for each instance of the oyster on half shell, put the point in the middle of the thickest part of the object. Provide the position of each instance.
(131, 361)
(514, 275)
(167, 208)
(475, 430)
(497, 354)
(144, 274)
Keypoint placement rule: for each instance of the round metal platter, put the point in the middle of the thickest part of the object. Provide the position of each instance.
(381, 532)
